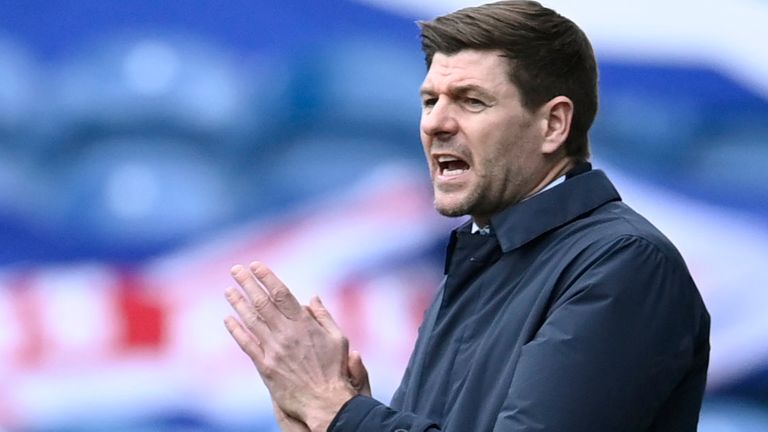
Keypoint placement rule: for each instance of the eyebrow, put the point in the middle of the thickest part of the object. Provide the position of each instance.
(461, 90)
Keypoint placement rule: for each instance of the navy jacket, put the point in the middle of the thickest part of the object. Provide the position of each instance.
(575, 315)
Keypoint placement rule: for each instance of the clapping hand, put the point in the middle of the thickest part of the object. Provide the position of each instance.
(299, 351)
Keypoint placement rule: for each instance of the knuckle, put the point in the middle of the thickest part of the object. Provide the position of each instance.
(267, 369)
(273, 357)
(281, 295)
(235, 298)
(261, 302)
(252, 322)
(341, 340)
(283, 344)
(250, 348)
(259, 271)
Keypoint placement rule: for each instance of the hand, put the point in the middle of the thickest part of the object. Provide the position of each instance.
(358, 377)
(300, 353)
(358, 374)
(286, 422)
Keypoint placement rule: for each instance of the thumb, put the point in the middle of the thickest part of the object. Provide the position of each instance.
(358, 375)
(286, 422)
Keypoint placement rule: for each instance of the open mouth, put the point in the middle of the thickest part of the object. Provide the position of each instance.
(451, 165)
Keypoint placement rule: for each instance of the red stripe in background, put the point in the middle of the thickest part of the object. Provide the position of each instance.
(28, 310)
(30, 353)
(352, 314)
(142, 316)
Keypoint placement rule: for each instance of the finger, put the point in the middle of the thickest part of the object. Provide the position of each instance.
(249, 317)
(247, 342)
(259, 298)
(358, 374)
(281, 295)
(323, 317)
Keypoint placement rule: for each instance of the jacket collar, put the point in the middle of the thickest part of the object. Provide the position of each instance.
(583, 191)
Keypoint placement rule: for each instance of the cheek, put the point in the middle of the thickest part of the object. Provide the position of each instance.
(426, 144)
(424, 140)
(491, 147)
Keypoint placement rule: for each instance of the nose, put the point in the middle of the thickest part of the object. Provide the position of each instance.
(439, 120)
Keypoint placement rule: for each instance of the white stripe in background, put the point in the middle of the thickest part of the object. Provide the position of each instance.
(728, 36)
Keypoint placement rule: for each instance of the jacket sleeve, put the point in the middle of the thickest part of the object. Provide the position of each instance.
(615, 345)
(363, 414)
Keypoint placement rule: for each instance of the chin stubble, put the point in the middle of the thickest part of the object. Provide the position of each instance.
(462, 208)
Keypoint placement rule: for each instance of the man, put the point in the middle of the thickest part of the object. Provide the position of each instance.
(562, 309)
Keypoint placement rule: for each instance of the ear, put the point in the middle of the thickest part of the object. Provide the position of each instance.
(556, 115)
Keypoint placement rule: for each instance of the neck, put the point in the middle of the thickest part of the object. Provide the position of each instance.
(558, 170)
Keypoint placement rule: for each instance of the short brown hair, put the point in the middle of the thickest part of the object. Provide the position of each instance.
(549, 55)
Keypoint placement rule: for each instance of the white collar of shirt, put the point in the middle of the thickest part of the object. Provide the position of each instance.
(557, 181)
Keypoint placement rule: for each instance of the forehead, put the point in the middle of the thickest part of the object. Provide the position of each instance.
(487, 69)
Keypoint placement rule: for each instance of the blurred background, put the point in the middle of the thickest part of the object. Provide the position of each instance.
(146, 147)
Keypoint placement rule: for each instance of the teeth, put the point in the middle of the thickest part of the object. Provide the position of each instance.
(447, 158)
(453, 172)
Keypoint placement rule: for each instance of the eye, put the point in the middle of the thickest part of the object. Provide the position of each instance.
(475, 103)
(428, 102)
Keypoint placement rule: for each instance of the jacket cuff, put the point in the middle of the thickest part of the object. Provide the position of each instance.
(352, 414)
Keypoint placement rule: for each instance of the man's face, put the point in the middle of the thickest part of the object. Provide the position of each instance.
(482, 146)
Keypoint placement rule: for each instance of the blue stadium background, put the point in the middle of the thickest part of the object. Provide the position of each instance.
(131, 129)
